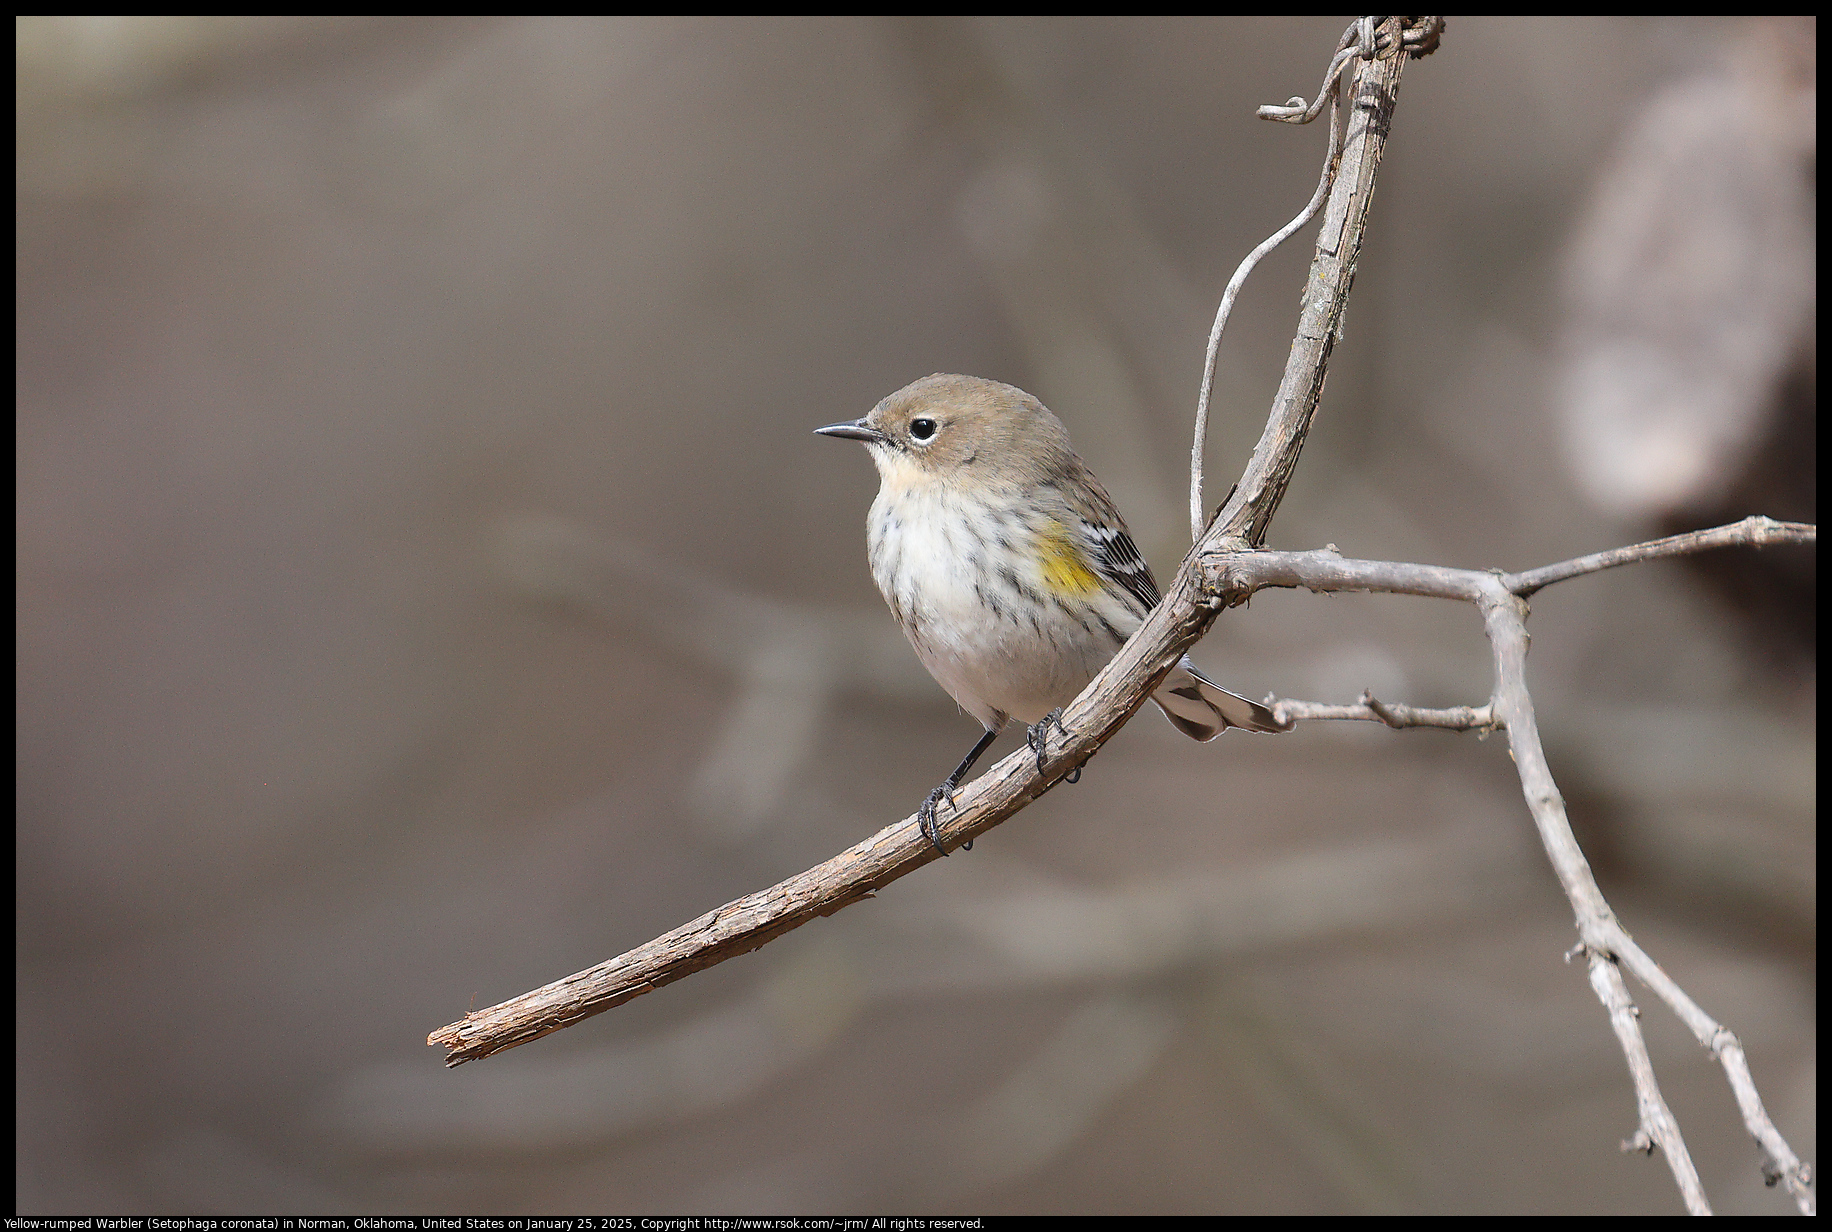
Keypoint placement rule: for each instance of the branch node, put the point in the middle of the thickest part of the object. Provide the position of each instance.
(1641, 1144)
(1380, 709)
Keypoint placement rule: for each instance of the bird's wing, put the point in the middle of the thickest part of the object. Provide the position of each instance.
(1118, 558)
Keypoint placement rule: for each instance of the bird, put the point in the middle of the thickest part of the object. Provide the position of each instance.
(1009, 567)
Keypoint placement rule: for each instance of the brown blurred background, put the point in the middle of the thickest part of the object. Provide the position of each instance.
(428, 586)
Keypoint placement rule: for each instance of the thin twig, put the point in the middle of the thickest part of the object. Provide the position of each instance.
(1657, 1127)
(1247, 512)
(1297, 112)
(1753, 532)
(1505, 620)
(1370, 708)
(1750, 532)
(1780, 1165)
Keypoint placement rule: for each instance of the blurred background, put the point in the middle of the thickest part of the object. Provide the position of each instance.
(429, 586)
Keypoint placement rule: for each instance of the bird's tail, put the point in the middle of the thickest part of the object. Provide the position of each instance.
(1202, 709)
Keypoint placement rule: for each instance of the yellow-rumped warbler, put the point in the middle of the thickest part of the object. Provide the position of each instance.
(1007, 565)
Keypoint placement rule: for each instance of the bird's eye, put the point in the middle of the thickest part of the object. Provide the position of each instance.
(922, 429)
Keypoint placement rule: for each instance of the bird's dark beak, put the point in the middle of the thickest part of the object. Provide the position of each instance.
(857, 430)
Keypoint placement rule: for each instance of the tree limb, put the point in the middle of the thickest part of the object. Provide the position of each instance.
(1223, 569)
(1089, 721)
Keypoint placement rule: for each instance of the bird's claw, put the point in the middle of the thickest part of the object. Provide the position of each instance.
(925, 816)
(1038, 737)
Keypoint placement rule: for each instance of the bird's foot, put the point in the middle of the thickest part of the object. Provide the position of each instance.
(1037, 735)
(925, 816)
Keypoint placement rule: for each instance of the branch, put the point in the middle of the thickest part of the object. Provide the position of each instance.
(1456, 718)
(1234, 576)
(1222, 570)
(1362, 40)
(1088, 722)
(1245, 516)
(1754, 532)
(1295, 111)
(1657, 1126)
(1750, 532)
(741, 926)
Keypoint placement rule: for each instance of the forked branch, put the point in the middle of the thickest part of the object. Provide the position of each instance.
(1088, 722)
(1221, 570)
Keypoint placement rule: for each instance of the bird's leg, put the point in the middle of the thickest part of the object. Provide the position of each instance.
(925, 816)
(1038, 737)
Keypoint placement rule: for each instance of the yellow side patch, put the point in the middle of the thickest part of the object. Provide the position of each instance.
(1065, 571)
